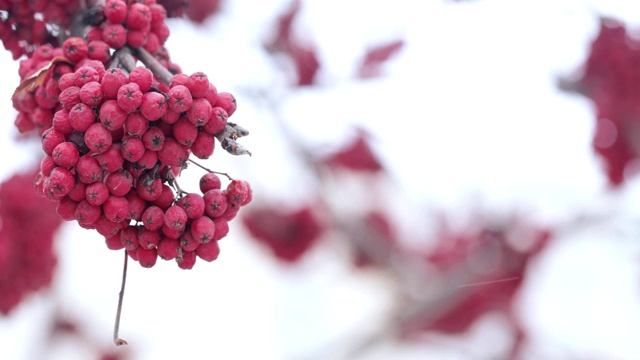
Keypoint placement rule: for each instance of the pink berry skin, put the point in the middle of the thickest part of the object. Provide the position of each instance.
(86, 213)
(212, 94)
(88, 169)
(91, 93)
(209, 181)
(66, 209)
(136, 38)
(74, 49)
(65, 155)
(166, 198)
(115, 11)
(153, 218)
(129, 97)
(116, 209)
(222, 228)
(98, 138)
(129, 237)
(61, 122)
(148, 160)
(50, 139)
(187, 260)
(81, 117)
(153, 43)
(97, 193)
(111, 82)
(185, 132)
(111, 160)
(132, 148)
(171, 232)
(200, 112)
(139, 17)
(112, 116)
(153, 105)
(99, 50)
(133, 254)
(209, 251)
(173, 153)
(113, 242)
(59, 183)
(199, 85)
(193, 205)
(137, 205)
(147, 257)
(231, 212)
(119, 182)
(107, 228)
(46, 165)
(136, 124)
(115, 35)
(66, 81)
(148, 239)
(215, 202)
(227, 102)
(149, 190)
(203, 146)
(237, 192)
(188, 242)
(170, 117)
(180, 99)
(203, 229)
(84, 75)
(143, 77)
(69, 97)
(158, 14)
(175, 218)
(181, 79)
(153, 139)
(217, 122)
(78, 193)
(168, 249)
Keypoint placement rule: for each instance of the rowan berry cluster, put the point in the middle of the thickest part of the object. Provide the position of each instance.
(26, 23)
(116, 137)
(117, 144)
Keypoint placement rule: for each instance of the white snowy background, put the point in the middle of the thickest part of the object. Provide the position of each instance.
(467, 115)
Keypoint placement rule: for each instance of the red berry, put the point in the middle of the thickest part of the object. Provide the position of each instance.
(209, 181)
(98, 138)
(119, 182)
(116, 209)
(153, 105)
(193, 205)
(66, 208)
(129, 237)
(69, 97)
(143, 77)
(86, 213)
(217, 122)
(153, 139)
(81, 116)
(222, 228)
(175, 218)
(74, 49)
(129, 96)
(204, 145)
(200, 112)
(215, 202)
(227, 102)
(137, 205)
(199, 85)
(148, 239)
(132, 148)
(149, 188)
(111, 115)
(88, 169)
(173, 153)
(113, 242)
(111, 160)
(84, 75)
(153, 218)
(91, 93)
(147, 257)
(180, 99)
(65, 155)
(208, 251)
(203, 229)
(187, 260)
(115, 35)
(111, 82)
(185, 132)
(115, 11)
(168, 249)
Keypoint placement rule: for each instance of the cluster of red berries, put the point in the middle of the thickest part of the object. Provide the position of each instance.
(115, 145)
(27, 259)
(24, 23)
(132, 23)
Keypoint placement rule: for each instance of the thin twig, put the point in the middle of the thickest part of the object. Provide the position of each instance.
(211, 171)
(154, 65)
(116, 339)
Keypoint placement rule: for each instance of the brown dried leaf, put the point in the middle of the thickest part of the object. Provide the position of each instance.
(39, 77)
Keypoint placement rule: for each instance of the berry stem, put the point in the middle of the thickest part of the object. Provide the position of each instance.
(154, 65)
(209, 170)
(124, 59)
(116, 339)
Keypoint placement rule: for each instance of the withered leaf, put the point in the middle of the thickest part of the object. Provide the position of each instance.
(39, 77)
